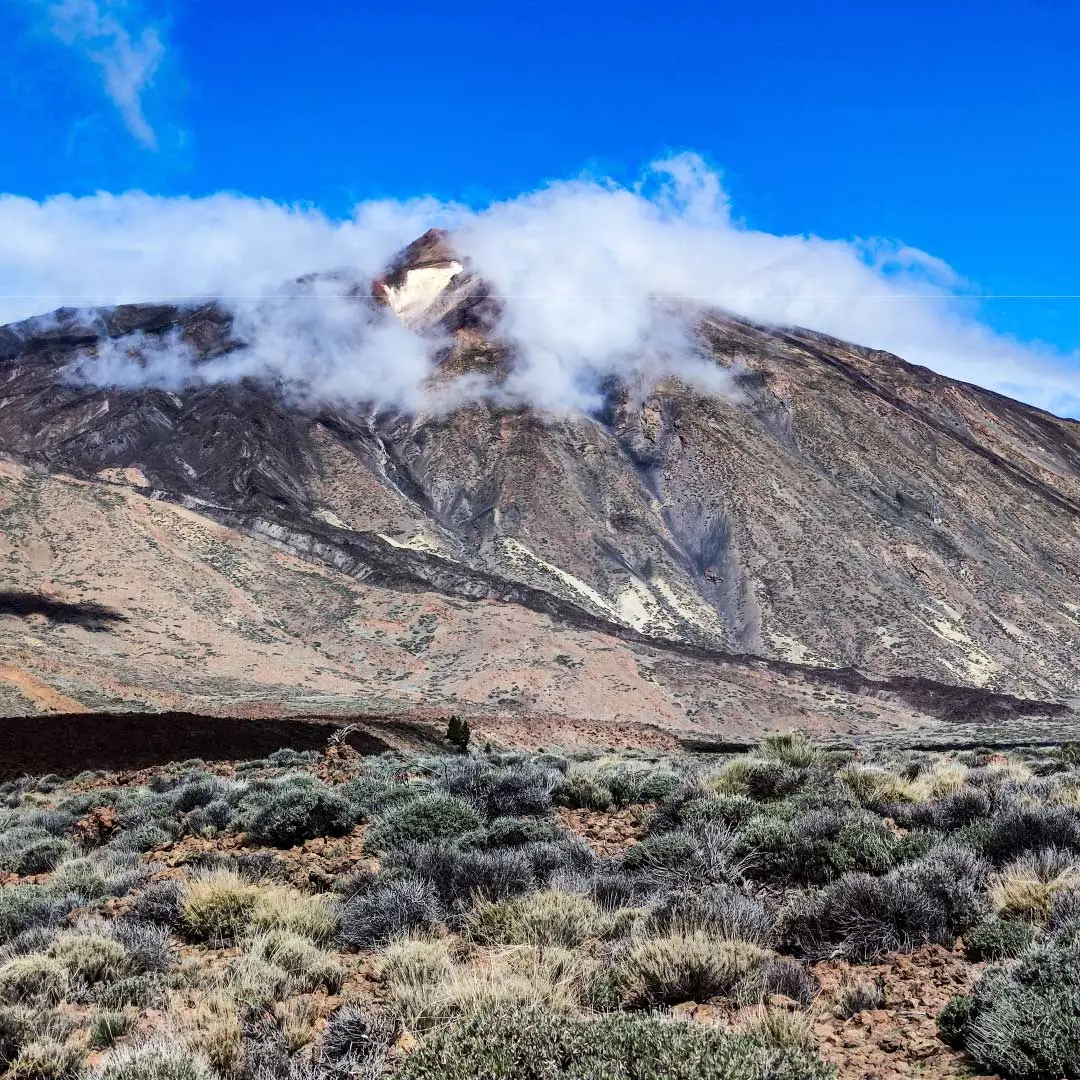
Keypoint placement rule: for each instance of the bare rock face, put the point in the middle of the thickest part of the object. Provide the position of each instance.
(844, 522)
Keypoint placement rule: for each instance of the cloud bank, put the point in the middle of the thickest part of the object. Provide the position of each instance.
(595, 279)
(127, 59)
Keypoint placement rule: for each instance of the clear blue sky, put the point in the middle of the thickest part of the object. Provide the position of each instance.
(950, 126)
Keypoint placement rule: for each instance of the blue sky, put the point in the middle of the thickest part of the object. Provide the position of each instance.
(947, 126)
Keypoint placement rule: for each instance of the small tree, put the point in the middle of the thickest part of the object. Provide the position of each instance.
(458, 734)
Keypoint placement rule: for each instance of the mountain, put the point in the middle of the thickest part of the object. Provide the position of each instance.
(845, 541)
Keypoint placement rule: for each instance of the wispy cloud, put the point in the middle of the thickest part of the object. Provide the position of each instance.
(127, 56)
(593, 279)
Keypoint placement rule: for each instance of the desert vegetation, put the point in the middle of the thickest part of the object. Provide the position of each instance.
(325, 915)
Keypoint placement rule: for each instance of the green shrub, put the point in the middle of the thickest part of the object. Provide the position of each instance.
(792, 748)
(301, 810)
(674, 968)
(732, 810)
(560, 919)
(496, 1047)
(999, 939)
(93, 958)
(431, 817)
(26, 851)
(512, 832)
(1022, 1021)
(582, 793)
(766, 779)
(107, 1027)
(817, 847)
(860, 917)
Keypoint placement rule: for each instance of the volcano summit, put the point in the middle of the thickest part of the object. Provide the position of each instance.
(789, 529)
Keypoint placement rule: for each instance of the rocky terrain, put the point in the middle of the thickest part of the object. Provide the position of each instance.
(845, 542)
(786, 913)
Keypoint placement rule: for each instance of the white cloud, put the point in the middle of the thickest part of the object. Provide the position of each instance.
(595, 280)
(128, 59)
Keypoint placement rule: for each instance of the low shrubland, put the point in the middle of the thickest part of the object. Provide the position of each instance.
(275, 919)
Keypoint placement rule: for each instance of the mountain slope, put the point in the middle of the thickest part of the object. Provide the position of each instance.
(840, 508)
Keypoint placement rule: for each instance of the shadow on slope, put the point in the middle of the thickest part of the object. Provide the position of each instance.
(68, 743)
(88, 614)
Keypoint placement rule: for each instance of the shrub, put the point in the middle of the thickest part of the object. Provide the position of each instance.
(93, 958)
(426, 987)
(731, 810)
(1026, 887)
(139, 990)
(765, 779)
(512, 832)
(582, 793)
(355, 1036)
(561, 919)
(16, 1027)
(149, 947)
(107, 1027)
(723, 912)
(817, 847)
(160, 902)
(196, 790)
(780, 1029)
(875, 788)
(1019, 829)
(999, 939)
(153, 1061)
(220, 905)
(370, 794)
(950, 812)
(33, 980)
(792, 748)
(705, 857)
(630, 785)
(398, 907)
(111, 873)
(23, 907)
(1022, 1021)
(27, 851)
(46, 1058)
(300, 811)
(459, 877)
(861, 917)
(309, 968)
(855, 996)
(217, 905)
(781, 975)
(431, 817)
(682, 967)
(491, 1047)
(280, 907)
